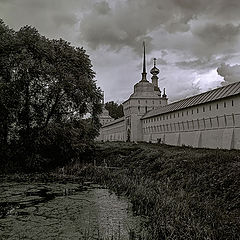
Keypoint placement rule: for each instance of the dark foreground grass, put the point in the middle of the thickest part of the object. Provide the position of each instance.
(186, 193)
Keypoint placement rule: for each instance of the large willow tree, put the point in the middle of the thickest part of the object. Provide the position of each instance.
(46, 87)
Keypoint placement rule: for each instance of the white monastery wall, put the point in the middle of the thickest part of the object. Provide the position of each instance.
(113, 131)
(211, 125)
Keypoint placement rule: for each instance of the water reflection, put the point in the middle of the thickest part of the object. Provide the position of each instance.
(64, 211)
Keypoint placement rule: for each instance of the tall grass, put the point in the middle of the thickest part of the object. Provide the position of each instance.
(186, 193)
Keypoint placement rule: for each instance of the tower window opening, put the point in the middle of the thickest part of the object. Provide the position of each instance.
(217, 105)
(210, 108)
(203, 109)
(224, 104)
(232, 103)
(145, 109)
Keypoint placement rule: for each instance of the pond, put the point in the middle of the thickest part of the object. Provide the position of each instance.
(65, 211)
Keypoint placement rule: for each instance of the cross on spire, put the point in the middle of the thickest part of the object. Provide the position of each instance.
(154, 62)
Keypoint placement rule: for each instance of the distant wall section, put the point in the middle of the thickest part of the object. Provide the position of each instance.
(209, 125)
(113, 131)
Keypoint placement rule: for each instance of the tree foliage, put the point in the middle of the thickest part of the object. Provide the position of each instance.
(115, 110)
(45, 85)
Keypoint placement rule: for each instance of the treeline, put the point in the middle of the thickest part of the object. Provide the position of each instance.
(115, 110)
(46, 88)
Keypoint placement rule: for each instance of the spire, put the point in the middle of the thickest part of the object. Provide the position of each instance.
(144, 73)
(144, 58)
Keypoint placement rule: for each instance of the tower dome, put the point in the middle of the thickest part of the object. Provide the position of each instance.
(154, 71)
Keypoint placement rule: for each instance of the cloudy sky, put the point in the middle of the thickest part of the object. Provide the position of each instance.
(196, 42)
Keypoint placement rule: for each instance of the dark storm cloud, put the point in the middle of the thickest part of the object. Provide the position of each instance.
(116, 28)
(225, 9)
(102, 8)
(161, 61)
(229, 73)
(204, 64)
(55, 18)
(129, 22)
(62, 19)
(190, 38)
(214, 34)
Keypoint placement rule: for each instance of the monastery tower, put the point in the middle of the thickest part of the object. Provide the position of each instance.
(146, 96)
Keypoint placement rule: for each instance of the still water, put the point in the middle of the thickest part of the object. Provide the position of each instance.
(65, 211)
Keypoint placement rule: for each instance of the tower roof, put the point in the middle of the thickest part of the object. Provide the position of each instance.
(144, 89)
(154, 71)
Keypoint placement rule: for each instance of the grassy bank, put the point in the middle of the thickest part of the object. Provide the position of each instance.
(187, 193)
